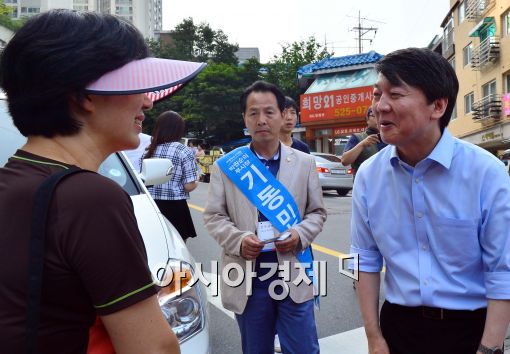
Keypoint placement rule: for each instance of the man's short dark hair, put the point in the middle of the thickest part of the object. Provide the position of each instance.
(290, 103)
(370, 112)
(426, 70)
(262, 86)
(53, 57)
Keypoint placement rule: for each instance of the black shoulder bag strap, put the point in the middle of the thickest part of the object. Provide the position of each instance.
(43, 197)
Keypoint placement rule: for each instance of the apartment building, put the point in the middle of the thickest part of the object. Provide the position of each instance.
(146, 15)
(476, 41)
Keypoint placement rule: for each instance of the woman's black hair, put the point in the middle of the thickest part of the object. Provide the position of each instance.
(54, 57)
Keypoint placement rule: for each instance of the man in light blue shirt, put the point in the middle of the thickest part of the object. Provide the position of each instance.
(436, 210)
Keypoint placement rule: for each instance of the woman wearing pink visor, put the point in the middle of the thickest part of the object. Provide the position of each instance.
(77, 85)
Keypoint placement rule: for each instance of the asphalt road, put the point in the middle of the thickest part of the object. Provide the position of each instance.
(338, 309)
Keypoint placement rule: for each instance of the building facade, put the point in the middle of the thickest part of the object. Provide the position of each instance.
(146, 15)
(476, 41)
(246, 53)
(335, 104)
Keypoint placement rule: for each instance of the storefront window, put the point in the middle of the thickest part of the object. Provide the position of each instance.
(333, 140)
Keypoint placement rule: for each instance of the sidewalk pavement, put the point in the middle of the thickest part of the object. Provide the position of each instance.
(352, 342)
(355, 342)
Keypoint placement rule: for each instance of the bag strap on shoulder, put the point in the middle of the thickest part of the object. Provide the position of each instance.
(43, 197)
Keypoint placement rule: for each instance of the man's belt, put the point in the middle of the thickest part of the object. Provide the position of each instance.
(437, 313)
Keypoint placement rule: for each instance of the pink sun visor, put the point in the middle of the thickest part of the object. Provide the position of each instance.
(158, 78)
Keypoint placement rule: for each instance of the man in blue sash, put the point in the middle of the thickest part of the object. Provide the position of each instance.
(256, 194)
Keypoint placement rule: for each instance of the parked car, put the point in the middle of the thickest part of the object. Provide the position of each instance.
(332, 174)
(184, 306)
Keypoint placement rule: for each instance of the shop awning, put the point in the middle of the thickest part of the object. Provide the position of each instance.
(343, 80)
(482, 26)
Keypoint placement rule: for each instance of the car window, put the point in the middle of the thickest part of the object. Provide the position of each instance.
(327, 158)
(117, 170)
(10, 137)
(113, 167)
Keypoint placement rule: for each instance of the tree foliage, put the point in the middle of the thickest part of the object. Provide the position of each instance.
(210, 102)
(282, 69)
(6, 20)
(196, 43)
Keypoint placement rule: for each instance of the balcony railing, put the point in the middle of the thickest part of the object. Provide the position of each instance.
(448, 45)
(476, 8)
(487, 52)
(487, 109)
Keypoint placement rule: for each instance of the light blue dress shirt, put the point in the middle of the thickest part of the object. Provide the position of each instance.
(442, 227)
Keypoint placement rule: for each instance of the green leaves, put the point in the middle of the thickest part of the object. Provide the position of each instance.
(210, 103)
(188, 41)
(282, 69)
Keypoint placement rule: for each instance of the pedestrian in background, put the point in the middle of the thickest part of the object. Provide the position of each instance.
(172, 196)
(361, 146)
(436, 210)
(290, 114)
(80, 259)
(192, 147)
(200, 151)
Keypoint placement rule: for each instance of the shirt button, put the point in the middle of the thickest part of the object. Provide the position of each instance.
(424, 247)
(419, 214)
(417, 180)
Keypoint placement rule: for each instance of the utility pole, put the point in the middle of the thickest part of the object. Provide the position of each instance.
(363, 31)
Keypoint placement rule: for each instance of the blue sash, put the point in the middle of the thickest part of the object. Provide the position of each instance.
(268, 195)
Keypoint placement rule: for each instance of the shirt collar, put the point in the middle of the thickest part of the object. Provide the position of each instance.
(442, 153)
(276, 157)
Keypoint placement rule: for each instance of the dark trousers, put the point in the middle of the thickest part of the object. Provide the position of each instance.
(263, 317)
(420, 330)
(177, 212)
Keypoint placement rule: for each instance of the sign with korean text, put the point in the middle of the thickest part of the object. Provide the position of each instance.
(339, 104)
(506, 103)
(348, 130)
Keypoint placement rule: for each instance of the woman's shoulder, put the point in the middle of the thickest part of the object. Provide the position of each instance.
(91, 189)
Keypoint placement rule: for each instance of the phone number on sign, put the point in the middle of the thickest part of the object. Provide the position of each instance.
(350, 111)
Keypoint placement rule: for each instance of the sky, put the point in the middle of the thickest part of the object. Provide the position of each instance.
(267, 24)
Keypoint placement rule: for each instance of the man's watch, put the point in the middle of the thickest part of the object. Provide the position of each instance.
(486, 350)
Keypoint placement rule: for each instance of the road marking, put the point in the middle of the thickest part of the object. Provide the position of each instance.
(315, 246)
(328, 251)
(196, 207)
(353, 341)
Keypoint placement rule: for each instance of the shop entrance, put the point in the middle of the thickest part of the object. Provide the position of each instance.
(332, 141)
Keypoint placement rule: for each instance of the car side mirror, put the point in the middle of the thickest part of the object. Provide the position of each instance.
(156, 171)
